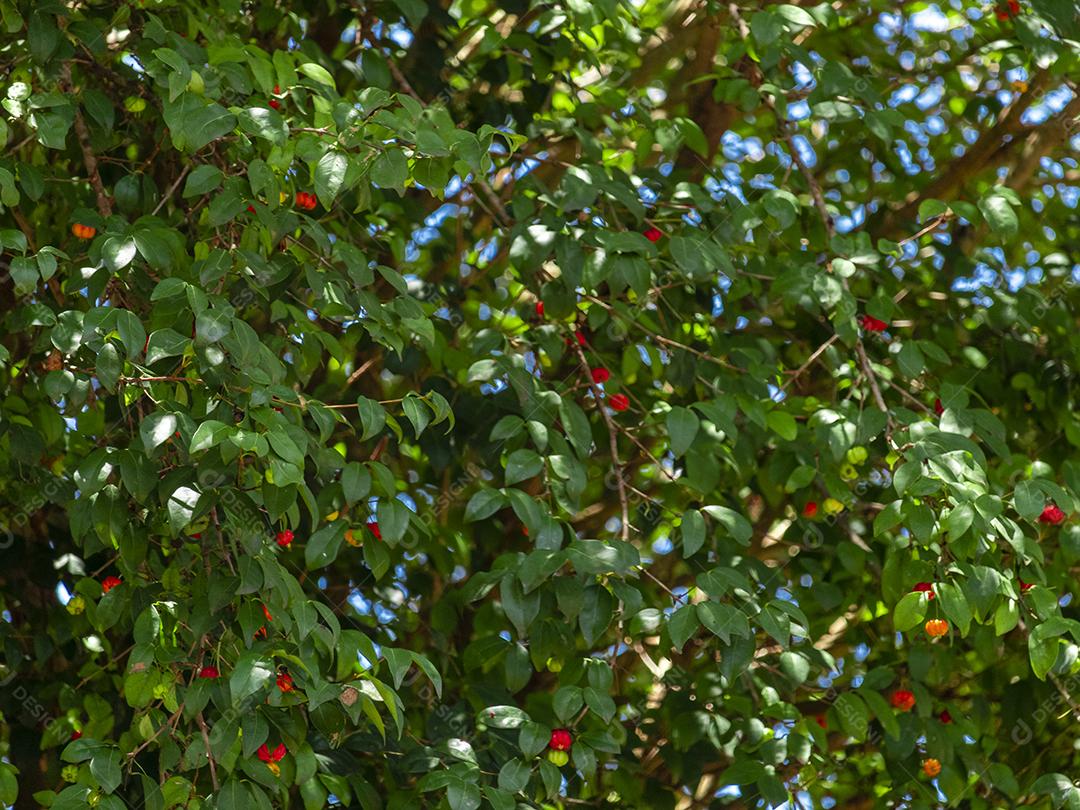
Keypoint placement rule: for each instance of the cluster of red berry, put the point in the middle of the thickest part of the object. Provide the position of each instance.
(306, 200)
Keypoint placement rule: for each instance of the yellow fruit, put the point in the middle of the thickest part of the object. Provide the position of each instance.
(353, 540)
(554, 665)
(848, 472)
(931, 767)
(76, 605)
(333, 516)
(833, 506)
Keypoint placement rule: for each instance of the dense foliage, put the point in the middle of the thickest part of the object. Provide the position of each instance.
(651, 403)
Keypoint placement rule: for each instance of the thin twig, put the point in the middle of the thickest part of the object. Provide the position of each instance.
(810, 361)
(613, 432)
(165, 197)
(209, 751)
(104, 206)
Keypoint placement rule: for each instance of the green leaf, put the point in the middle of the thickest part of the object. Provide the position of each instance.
(157, 428)
(910, 611)
(485, 503)
(504, 717)
(417, 412)
(723, 620)
(118, 253)
(682, 425)
(1029, 499)
(693, 532)
(252, 673)
(372, 417)
(736, 525)
(955, 605)
(317, 73)
(522, 465)
(202, 180)
(999, 215)
(682, 625)
(783, 424)
(105, 768)
(390, 170)
(330, 176)
(323, 547)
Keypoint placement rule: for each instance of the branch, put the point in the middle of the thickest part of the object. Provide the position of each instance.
(1042, 142)
(830, 230)
(999, 138)
(104, 205)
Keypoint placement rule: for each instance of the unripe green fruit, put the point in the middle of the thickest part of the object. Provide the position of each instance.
(558, 758)
(554, 665)
(196, 84)
(857, 455)
(69, 773)
(76, 605)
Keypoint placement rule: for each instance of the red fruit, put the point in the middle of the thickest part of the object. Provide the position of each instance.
(945, 717)
(1011, 9)
(277, 755)
(654, 234)
(924, 587)
(285, 538)
(305, 200)
(560, 740)
(261, 632)
(75, 735)
(277, 90)
(821, 721)
(374, 526)
(580, 338)
(109, 583)
(284, 682)
(251, 209)
(83, 231)
(197, 536)
(939, 409)
(600, 375)
(540, 309)
(810, 509)
(1052, 515)
(275, 104)
(1026, 586)
(209, 672)
(872, 324)
(266, 613)
(903, 700)
(619, 402)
